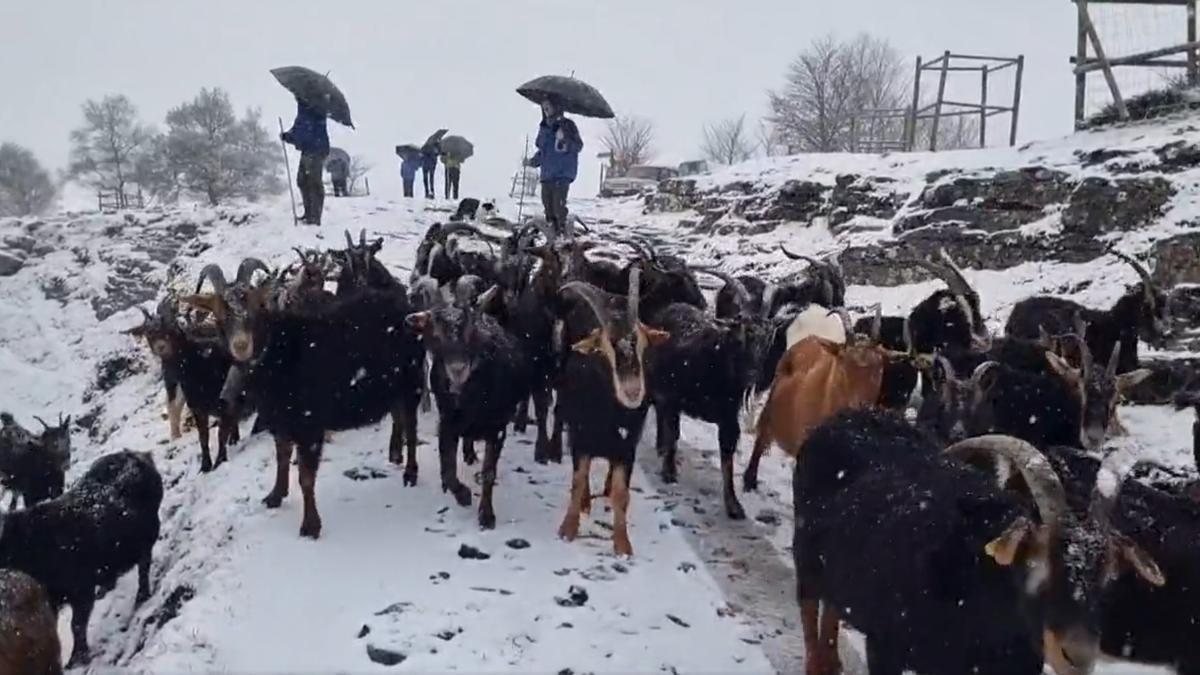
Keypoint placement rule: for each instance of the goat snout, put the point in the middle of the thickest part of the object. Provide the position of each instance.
(241, 346)
(631, 391)
(457, 374)
(1092, 436)
(1071, 653)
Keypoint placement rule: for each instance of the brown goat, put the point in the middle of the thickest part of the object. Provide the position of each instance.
(28, 628)
(815, 379)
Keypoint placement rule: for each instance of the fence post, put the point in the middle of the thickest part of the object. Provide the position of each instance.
(941, 96)
(1193, 66)
(911, 133)
(983, 111)
(1016, 106)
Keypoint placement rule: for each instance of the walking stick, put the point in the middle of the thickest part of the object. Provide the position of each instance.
(288, 168)
(524, 181)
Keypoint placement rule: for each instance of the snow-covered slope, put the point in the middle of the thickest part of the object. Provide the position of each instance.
(235, 588)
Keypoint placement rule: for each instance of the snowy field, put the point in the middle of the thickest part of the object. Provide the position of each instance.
(236, 590)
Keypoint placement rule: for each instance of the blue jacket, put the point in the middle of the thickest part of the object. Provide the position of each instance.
(409, 166)
(558, 162)
(308, 132)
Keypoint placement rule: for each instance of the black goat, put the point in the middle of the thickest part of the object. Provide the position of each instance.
(102, 527)
(1141, 312)
(34, 467)
(899, 376)
(1191, 399)
(28, 628)
(194, 370)
(895, 538)
(479, 376)
(948, 321)
(825, 285)
(705, 371)
(1072, 406)
(302, 287)
(360, 269)
(345, 365)
(602, 395)
(1158, 624)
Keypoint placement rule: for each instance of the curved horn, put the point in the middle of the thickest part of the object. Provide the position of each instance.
(877, 322)
(738, 287)
(43, 422)
(1109, 479)
(349, 239)
(1113, 358)
(1137, 267)
(362, 237)
(591, 295)
(145, 315)
(246, 269)
(1039, 476)
(300, 252)
(635, 293)
(458, 228)
(796, 256)
(957, 282)
(214, 274)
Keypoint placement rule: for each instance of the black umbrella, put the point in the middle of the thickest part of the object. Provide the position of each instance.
(407, 150)
(434, 138)
(316, 90)
(457, 147)
(573, 95)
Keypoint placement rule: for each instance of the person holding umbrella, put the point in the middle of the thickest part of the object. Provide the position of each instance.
(410, 161)
(429, 158)
(558, 146)
(453, 168)
(310, 136)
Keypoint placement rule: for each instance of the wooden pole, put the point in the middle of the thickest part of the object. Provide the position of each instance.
(1080, 78)
(910, 132)
(941, 95)
(288, 167)
(1193, 64)
(983, 96)
(1016, 106)
(1102, 59)
(524, 161)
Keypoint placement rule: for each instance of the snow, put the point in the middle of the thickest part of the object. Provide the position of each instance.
(263, 599)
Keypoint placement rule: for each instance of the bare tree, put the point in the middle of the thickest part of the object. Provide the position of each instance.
(630, 139)
(105, 147)
(828, 84)
(210, 153)
(358, 168)
(25, 187)
(727, 141)
(954, 133)
(769, 140)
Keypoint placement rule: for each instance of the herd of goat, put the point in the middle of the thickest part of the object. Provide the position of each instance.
(982, 538)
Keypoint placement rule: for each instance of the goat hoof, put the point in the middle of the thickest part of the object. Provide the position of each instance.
(79, 657)
(462, 494)
(749, 482)
(469, 457)
(569, 531)
(273, 500)
(410, 476)
(311, 530)
(141, 598)
(669, 476)
(487, 520)
(735, 511)
(621, 546)
(396, 458)
(206, 466)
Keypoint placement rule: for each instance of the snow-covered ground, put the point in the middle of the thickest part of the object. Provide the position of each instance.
(235, 588)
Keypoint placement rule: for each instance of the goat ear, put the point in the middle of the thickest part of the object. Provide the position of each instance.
(589, 344)
(1004, 549)
(1134, 558)
(207, 302)
(654, 337)
(418, 321)
(1132, 378)
(1060, 365)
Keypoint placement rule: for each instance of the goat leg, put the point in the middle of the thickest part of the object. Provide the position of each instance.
(667, 422)
(468, 452)
(448, 456)
(750, 475)
(491, 458)
(810, 614)
(225, 429)
(81, 613)
(579, 486)
(310, 460)
(620, 504)
(396, 442)
(728, 432)
(556, 436)
(521, 418)
(174, 411)
(542, 450)
(143, 590)
(283, 463)
(828, 636)
(206, 463)
(410, 440)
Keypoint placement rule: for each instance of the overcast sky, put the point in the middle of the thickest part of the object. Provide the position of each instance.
(408, 67)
